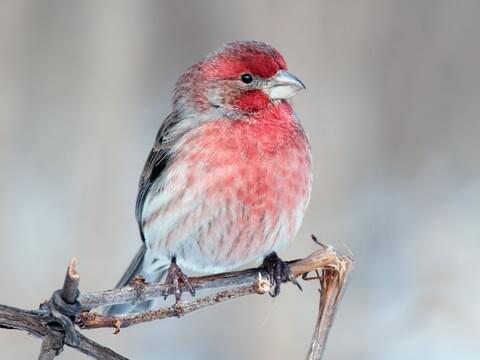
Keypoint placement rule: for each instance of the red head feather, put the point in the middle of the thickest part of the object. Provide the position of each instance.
(214, 84)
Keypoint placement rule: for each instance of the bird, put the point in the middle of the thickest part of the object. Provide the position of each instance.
(229, 177)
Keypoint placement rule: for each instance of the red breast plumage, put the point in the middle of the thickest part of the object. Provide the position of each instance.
(237, 191)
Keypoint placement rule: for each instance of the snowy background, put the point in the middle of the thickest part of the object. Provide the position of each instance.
(393, 113)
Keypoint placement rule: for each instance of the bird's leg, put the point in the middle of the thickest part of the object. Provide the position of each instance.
(278, 271)
(174, 278)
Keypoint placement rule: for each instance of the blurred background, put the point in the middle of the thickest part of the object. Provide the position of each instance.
(392, 111)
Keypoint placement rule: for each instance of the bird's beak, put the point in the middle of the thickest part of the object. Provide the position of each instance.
(283, 85)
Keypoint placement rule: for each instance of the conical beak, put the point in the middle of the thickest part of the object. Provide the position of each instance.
(283, 85)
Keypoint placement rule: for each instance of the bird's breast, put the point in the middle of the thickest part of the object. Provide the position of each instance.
(234, 192)
(265, 164)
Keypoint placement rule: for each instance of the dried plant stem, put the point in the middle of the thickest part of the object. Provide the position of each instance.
(333, 282)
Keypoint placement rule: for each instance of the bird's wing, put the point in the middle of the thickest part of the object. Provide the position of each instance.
(156, 163)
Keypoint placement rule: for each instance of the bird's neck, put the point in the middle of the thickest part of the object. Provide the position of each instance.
(267, 131)
(275, 126)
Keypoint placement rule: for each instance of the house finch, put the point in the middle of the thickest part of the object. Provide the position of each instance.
(229, 176)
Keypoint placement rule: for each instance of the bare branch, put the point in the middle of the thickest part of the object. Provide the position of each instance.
(52, 344)
(239, 283)
(139, 292)
(19, 319)
(95, 350)
(70, 290)
(54, 320)
(93, 321)
(51, 323)
(32, 322)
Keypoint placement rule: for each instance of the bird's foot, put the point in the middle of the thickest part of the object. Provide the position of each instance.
(175, 280)
(278, 271)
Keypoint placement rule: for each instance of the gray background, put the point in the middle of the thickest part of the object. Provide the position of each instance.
(392, 110)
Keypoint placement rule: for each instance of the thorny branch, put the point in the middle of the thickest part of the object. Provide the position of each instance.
(55, 323)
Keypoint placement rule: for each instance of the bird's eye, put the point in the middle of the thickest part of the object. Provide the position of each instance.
(246, 78)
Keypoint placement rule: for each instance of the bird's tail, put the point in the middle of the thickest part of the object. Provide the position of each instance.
(140, 265)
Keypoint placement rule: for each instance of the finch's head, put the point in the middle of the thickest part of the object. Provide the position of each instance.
(241, 78)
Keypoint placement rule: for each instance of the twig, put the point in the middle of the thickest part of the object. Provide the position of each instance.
(19, 319)
(333, 281)
(45, 321)
(52, 344)
(89, 320)
(54, 322)
(70, 290)
(239, 283)
(32, 322)
(139, 292)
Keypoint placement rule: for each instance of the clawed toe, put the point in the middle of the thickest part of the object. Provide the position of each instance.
(174, 280)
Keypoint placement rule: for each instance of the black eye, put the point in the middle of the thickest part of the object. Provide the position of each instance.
(247, 78)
